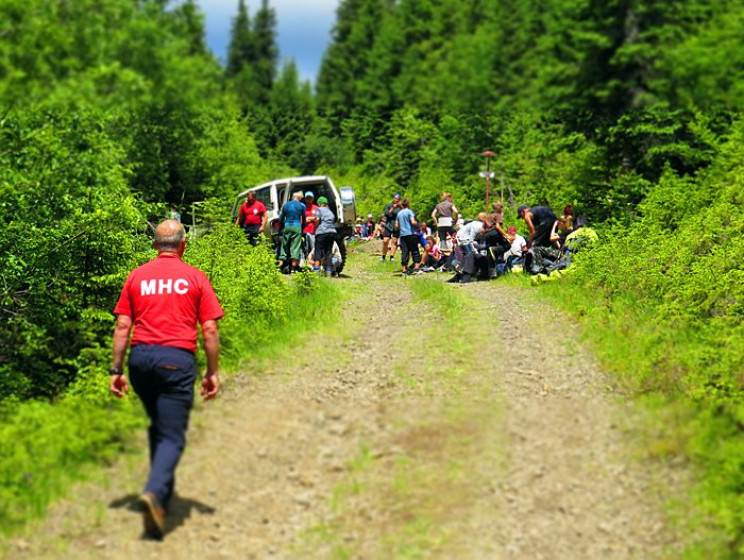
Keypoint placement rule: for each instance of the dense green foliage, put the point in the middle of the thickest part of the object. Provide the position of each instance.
(110, 111)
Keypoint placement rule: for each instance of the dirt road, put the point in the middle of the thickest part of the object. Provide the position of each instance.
(436, 421)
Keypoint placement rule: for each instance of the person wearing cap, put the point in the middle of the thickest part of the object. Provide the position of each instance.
(390, 232)
(252, 217)
(325, 235)
(291, 221)
(157, 314)
(369, 226)
(541, 221)
(311, 222)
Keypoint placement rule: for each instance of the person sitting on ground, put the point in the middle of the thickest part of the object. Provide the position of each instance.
(494, 235)
(325, 235)
(425, 230)
(379, 228)
(405, 224)
(369, 226)
(291, 221)
(432, 258)
(515, 254)
(336, 260)
(565, 224)
(541, 221)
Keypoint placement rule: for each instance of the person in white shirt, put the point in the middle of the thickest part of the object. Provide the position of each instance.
(518, 244)
(466, 252)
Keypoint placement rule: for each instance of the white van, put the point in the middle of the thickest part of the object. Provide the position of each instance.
(275, 194)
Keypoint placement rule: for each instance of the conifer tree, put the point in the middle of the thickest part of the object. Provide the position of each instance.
(345, 63)
(265, 51)
(241, 51)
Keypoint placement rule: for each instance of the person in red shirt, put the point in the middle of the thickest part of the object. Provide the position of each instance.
(311, 222)
(162, 302)
(252, 217)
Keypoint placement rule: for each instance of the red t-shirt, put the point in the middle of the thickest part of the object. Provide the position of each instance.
(251, 214)
(310, 213)
(166, 298)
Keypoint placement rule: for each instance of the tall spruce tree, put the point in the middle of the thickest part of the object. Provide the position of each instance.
(346, 62)
(240, 53)
(265, 50)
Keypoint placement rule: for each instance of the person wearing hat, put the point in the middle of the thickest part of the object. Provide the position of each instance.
(390, 233)
(325, 235)
(311, 222)
(369, 226)
(540, 220)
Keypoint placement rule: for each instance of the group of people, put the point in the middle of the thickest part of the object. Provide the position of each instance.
(481, 248)
(164, 301)
(307, 229)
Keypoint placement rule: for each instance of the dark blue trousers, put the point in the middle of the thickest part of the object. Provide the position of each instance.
(164, 377)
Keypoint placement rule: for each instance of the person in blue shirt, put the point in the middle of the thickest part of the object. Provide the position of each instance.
(291, 220)
(405, 225)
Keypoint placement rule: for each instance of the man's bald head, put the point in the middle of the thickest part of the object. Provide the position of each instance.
(169, 236)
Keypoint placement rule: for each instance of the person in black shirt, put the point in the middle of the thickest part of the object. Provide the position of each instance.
(541, 222)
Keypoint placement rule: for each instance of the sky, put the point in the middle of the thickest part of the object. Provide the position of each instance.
(303, 28)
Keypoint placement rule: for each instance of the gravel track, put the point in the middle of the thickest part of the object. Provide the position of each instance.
(391, 440)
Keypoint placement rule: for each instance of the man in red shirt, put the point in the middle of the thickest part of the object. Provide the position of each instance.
(252, 217)
(164, 300)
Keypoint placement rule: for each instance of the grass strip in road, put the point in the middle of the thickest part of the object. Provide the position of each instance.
(410, 492)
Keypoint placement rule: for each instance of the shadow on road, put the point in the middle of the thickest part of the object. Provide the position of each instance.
(179, 509)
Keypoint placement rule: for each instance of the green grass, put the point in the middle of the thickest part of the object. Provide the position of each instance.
(444, 449)
(48, 445)
(694, 405)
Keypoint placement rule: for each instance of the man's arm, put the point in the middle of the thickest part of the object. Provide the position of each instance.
(264, 220)
(211, 334)
(118, 383)
(531, 226)
(455, 214)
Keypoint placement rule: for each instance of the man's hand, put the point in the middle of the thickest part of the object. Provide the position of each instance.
(119, 385)
(210, 386)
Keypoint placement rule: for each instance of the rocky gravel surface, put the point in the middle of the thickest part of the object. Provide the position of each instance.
(407, 432)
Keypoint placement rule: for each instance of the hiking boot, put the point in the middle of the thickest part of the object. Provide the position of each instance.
(153, 515)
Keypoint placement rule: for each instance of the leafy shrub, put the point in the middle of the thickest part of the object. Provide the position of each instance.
(250, 288)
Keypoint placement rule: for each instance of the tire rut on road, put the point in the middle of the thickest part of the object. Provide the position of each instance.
(406, 433)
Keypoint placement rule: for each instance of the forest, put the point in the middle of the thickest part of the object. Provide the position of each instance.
(113, 110)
